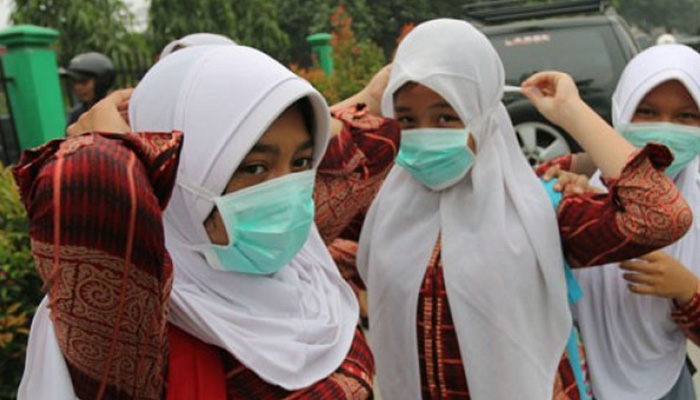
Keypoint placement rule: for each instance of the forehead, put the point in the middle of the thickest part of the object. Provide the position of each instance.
(415, 95)
(670, 93)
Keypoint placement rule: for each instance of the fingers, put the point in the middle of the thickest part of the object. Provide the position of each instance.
(551, 172)
(639, 266)
(108, 115)
(120, 96)
(654, 256)
(642, 289)
(644, 279)
(539, 78)
(578, 184)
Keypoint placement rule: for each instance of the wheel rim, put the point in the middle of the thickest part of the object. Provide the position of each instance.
(540, 142)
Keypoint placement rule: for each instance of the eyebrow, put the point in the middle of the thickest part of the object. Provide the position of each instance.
(440, 105)
(265, 148)
(690, 104)
(309, 144)
(274, 149)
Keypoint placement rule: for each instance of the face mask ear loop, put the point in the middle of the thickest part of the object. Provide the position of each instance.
(203, 193)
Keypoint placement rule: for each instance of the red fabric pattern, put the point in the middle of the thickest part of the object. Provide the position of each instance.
(687, 318)
(643, 211)
(441, 365)
(353, 169)
(352, 380)
(94, 203)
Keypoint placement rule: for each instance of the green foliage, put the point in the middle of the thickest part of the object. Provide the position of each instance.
(253, 23)
(20, 285)
(379, 21)
(356, 61)
(84, 25)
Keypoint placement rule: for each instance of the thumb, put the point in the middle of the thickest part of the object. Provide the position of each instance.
(532, 93)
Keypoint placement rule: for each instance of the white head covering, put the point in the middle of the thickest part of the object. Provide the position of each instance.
(500, 244)
(292, 328)
(195, 39)
(633, 348)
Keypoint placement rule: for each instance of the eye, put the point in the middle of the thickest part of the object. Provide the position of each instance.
(252, 169)
(405, 120)
(303, 163)
(645, 112)
(688, 116)
(448, 119)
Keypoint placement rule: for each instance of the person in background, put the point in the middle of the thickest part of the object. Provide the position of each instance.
(92, 75)
(636, 315)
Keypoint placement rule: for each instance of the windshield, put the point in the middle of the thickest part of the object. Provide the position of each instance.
(588, 54)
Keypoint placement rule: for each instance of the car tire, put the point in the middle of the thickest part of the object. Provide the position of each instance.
(540, 141)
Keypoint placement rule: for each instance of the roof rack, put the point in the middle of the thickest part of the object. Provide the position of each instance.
(499, 11)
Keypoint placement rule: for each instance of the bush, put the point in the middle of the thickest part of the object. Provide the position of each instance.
(20, 285)
(355, 62)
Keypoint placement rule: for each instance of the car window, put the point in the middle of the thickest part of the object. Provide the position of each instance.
(590, 54)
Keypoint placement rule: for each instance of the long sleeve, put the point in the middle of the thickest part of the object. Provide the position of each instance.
(352, 171)
(94, 204)
(642, 211)
(687, 318)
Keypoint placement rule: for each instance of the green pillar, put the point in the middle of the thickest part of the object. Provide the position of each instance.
(32, 84)
(321, 45)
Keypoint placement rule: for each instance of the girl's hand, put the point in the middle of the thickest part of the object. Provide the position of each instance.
(659, 274)
(370, 95)
(569, 182)
(110, 114)
(554, 94)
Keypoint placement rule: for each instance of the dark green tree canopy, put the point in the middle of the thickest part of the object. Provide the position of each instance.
(84, 25)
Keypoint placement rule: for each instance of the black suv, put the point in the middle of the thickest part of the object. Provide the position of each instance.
(593, 48)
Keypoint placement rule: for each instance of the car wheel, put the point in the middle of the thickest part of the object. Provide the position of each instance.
(541, 142)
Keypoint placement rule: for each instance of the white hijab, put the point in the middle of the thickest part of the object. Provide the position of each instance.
(292, 328)
(634, 349)
(500, 243)
(195, 39)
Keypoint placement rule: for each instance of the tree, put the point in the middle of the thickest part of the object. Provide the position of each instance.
(356, 61)
(253, 23)
(84, 25)
(379, 21)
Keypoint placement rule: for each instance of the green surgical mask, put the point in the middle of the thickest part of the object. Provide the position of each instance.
(267, 224)
(436, 157)
(682, 140)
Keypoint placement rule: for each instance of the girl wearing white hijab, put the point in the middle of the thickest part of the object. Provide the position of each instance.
(635, 316)
(257, 307)
(488, 318)
(195, 39)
